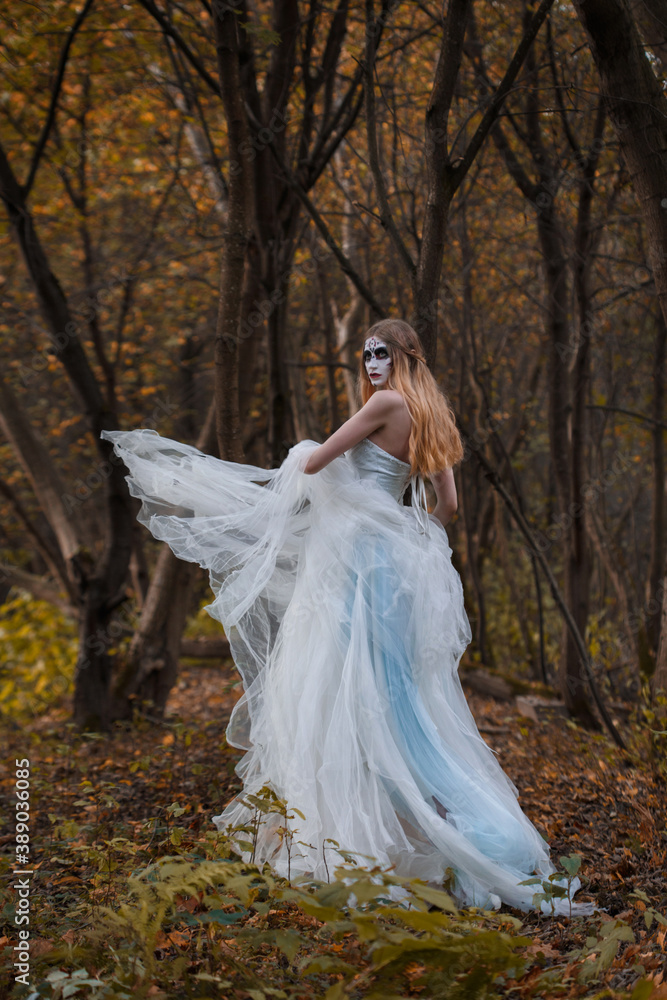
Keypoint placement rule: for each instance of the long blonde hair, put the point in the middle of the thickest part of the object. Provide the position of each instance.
(435, 442)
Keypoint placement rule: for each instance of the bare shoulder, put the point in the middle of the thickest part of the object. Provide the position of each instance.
(395, 398)
(386, 401)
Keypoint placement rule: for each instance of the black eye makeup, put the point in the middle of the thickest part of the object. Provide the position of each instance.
(380, 353)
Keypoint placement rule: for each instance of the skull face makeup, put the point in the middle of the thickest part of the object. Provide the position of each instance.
(377, 361)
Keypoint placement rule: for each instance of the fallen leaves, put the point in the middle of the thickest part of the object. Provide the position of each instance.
(144, 792)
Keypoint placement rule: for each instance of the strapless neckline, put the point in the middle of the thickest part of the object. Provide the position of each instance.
(385, 452)
(391, 474)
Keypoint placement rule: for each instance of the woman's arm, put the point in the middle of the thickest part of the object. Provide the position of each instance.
(445, 491)
(369, 418)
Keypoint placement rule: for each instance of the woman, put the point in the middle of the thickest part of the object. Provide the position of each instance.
(346, 620)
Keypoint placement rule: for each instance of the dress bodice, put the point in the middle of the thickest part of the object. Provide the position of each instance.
(391, 474)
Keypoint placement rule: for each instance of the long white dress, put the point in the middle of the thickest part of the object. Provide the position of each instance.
(346, 620)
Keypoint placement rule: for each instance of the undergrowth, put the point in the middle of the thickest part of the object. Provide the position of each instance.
(202, 922)
(133, 895)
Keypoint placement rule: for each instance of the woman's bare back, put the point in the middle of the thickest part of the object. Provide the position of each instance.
(394, 435)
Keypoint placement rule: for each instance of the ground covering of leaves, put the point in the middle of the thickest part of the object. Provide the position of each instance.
(106, 809)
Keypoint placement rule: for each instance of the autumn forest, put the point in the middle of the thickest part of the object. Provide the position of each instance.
(203, 207)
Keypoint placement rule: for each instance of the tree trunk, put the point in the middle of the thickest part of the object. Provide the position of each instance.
(655, 594)
(567, 377)
(206, 649)
(280, 423)
(99, 579)
(566, 455)
(659, 679)
(43, 476)
(326, 319)
(443, 177)
(236, 237)
(43, 590)
(151, 668)
(252, 347)
(601, 541)
(476, 506)
(348, 326)
(579, 563)
(93, 665)
(566, 461)
(637, 108)
(152, 663)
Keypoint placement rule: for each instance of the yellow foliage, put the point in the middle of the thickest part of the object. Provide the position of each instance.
(38, 649)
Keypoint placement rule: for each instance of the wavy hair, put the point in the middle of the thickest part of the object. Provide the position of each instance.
(435, 442)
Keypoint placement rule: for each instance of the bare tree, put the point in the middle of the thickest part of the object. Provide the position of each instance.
(88, 572)
(236, 237)
(446, 163)
(637, 108)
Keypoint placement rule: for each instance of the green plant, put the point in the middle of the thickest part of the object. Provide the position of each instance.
(552, 887)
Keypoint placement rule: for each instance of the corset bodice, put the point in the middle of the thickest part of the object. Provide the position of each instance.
(391, 474)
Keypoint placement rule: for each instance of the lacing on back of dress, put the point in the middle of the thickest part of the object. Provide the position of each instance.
(419, 504)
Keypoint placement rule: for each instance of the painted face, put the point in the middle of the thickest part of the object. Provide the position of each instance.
(377, 361)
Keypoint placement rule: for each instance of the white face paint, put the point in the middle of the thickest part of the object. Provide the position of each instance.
(377, 361)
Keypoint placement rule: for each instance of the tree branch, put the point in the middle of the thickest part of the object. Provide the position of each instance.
(170, 30)
(346, 265)
(49, 554)
(40, 470)
(386, 215)
(629, 413)
(501, 92)
(55, 95)
(40, 588)
(526, 531)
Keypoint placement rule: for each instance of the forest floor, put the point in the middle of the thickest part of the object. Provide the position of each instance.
(106, 808)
